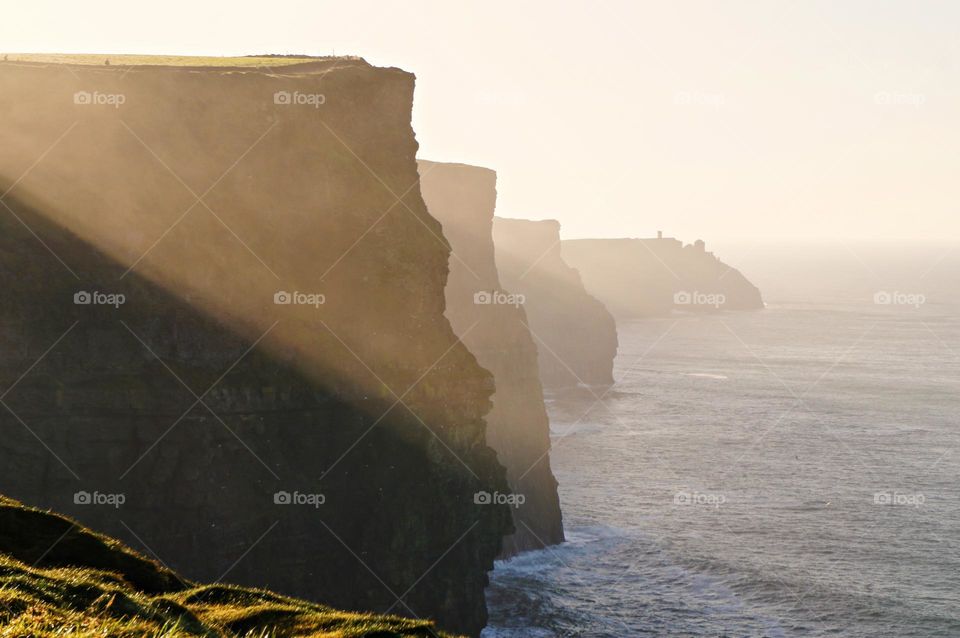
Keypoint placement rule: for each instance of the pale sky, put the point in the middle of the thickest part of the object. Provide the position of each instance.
(722, 120)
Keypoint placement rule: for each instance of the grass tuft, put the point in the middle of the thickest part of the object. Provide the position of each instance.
(86, 585)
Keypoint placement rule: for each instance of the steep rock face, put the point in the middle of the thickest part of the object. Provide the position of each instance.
(647, 277)
(279, 400)
(463, 199)
(576, 337)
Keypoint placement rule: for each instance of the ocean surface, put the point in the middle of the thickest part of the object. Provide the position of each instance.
(788, 472)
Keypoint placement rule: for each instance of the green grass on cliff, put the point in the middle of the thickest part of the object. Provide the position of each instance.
(59, 579)
(99, 59)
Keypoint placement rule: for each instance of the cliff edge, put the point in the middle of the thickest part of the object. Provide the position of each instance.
(575, 334)
(493, 325)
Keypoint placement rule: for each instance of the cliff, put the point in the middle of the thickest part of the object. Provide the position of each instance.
(646, 277)
(58, 577)
(463, 199)
(223, 304)
(576, 336)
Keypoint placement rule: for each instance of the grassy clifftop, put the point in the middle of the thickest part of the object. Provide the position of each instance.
(59, 578)
(158, 60)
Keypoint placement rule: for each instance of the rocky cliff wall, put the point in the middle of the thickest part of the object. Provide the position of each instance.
(647, 277)
(576, 337)
(277, 397)
(492, 324)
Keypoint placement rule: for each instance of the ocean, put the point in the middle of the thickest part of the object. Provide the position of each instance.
(786, 472)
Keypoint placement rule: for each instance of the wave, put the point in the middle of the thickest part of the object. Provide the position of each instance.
(593, 584)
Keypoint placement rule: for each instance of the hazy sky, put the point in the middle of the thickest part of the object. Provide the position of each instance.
(720, 120)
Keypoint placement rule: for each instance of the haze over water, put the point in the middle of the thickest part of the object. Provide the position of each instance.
(790, 472)
(787, 472)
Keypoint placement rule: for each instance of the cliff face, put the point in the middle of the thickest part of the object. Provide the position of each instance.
(59, 578)
(647, 277)
(463, 199)
(277, 397)
(576, 337)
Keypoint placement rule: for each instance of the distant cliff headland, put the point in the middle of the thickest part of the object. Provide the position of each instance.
(575, 334)
(492, 321)
(224, 306)
(638, 278)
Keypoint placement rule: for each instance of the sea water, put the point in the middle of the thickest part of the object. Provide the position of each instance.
(787, 472)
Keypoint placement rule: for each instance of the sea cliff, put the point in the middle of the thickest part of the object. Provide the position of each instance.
(575, 334)
(223, 305)
(492, 322)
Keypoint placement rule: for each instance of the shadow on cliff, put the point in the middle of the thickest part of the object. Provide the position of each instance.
(129, 406)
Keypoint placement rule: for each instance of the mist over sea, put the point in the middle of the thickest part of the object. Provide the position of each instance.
(790, 472)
